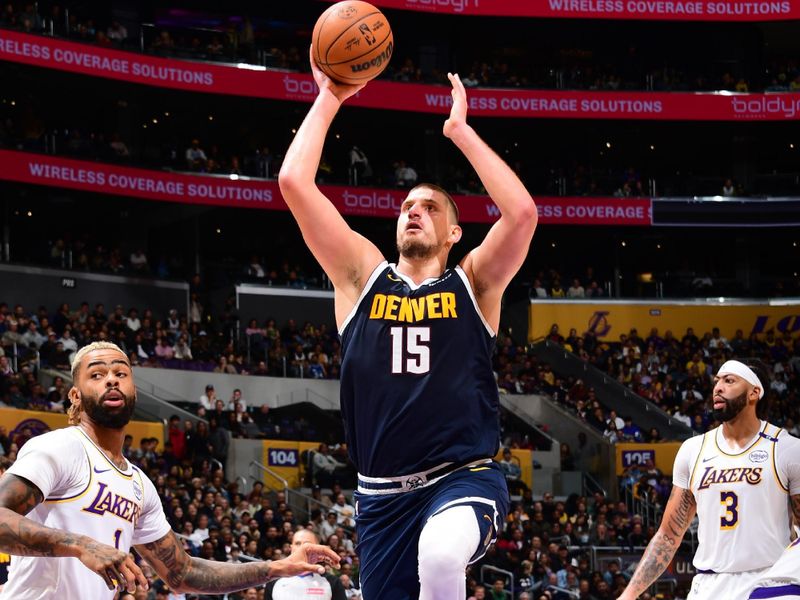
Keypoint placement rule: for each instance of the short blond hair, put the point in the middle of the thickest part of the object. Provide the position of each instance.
(74, 412)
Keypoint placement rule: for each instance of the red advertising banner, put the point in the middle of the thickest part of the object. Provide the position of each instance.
(646, 10)
(237, 192)
(247, 80)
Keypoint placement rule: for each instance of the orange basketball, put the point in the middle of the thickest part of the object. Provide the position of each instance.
(352, 42)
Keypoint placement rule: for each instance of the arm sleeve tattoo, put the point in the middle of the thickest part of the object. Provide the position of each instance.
(185, 573)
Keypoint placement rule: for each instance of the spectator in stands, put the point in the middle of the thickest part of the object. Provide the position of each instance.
(512, 472)
(196, 159)
(404, 175)
(556, 291)
(236, 398)
(479, 593)
(182, 350)
(360, 169)
(326, 469)
(576, 289)
(208, 400)
(223, 366)
(537, 290)
(345, 513)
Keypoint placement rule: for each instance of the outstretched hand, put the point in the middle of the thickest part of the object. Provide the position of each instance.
(306, 558)
(340, 90)
(458, 112)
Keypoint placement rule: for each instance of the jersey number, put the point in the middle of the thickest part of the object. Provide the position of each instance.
(731, 503)
(117, 535)
(409, 352)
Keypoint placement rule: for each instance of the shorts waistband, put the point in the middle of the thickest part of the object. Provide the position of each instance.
(412, 481)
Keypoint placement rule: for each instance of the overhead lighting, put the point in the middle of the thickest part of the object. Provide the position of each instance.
(608, 144)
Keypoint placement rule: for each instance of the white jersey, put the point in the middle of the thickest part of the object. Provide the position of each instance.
(85, 493)
(742, 497)
(784, 572)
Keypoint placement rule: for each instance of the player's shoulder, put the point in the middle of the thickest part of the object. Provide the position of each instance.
(695, 443)
(787, 441)
(57, 440)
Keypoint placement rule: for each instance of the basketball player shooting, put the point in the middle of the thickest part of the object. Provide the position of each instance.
(742, 479)
(418, 396)
(72, 506)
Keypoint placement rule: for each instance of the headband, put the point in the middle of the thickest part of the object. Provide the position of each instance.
(734, 367)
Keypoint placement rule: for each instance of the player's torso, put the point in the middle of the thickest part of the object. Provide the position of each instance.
(104, 505)
(742, 504)
(417, 383)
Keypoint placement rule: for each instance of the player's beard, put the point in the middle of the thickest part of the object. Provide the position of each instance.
(733, 407)
(417, 249)
(112, 419)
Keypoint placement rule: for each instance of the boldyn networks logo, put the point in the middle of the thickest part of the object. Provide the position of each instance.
(299, 88)
(455, 6)
(783, 106)
(376, 203)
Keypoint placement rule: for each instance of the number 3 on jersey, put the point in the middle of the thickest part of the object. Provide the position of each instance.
(730, 501)
(409, 352)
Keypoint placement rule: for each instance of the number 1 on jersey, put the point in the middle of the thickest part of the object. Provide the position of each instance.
(409, 353)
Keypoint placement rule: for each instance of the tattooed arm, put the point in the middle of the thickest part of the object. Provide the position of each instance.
(184, 573)
(20, 536)
(679, 513)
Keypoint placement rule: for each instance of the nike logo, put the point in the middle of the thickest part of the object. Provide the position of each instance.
(705, 460)
(96, 470)
(392, 277)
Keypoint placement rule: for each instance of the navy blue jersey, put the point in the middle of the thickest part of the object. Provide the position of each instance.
(417, 388)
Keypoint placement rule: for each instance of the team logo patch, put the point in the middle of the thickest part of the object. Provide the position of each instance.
(758, 456)
(413, 483)
(137, 490)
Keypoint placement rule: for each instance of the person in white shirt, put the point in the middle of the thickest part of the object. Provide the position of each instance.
(576, 290)
(236, 398)
(345, 513)
(310, 585)
(740, 479)
(209, 399)
(69, 343)
(72, 506)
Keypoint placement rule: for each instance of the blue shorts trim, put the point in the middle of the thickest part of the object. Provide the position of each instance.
(775, 592)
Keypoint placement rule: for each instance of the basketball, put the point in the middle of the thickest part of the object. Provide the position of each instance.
(352, 42)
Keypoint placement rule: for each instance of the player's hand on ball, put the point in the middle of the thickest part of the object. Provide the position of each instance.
(307, 558)
(325, 84)
(458, 112)
(117, 568)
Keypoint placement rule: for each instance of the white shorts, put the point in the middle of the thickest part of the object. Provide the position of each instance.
(727, 586)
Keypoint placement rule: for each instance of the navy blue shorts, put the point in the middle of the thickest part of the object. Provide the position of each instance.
(389, 527)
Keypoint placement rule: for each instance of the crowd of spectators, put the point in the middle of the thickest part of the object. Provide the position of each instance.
(544, 544)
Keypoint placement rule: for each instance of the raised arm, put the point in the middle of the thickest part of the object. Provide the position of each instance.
(347, 257)
(678, 515)
(20, 536)
(184, 573)
(491, 265)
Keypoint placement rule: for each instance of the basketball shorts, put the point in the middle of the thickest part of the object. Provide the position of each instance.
(730, 586)
(776, 590)
(389, 527)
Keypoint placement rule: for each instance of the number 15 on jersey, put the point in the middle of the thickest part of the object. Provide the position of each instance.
(410, 352)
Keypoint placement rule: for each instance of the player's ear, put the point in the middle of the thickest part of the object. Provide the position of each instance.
(74, 395)
(455, 234)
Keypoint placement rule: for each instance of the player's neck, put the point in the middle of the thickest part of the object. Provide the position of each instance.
(740, 430)
(418, 270)
(108, 440)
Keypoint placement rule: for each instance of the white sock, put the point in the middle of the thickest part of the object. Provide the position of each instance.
(447, 542)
